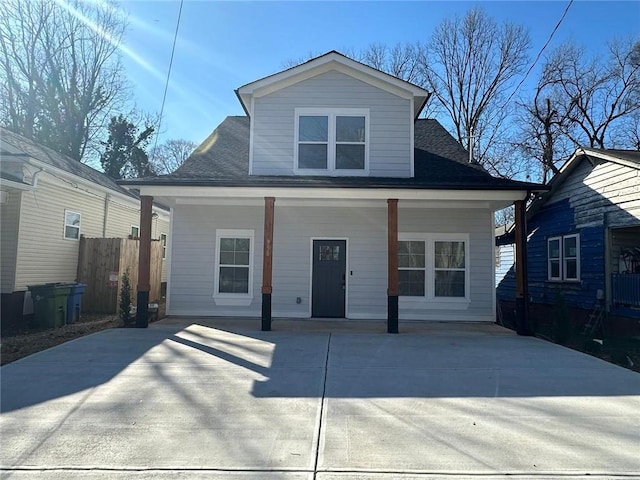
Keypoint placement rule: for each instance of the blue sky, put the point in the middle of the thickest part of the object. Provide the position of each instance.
(223, 45)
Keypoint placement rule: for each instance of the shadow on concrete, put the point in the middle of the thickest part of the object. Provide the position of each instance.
(430, 362)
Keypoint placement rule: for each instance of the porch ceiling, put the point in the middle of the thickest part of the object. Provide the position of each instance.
(350, 197)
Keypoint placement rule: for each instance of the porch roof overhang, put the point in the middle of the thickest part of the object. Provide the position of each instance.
(443, 197)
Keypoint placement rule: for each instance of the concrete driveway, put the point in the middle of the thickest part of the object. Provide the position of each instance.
(224, 400)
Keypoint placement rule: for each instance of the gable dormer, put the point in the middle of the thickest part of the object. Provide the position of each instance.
(332, 116)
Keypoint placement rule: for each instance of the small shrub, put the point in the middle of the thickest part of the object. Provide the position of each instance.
(125, 298)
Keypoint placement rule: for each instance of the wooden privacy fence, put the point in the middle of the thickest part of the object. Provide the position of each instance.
(101, 264)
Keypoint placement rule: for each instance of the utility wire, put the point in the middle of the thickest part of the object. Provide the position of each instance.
(166, 85)
(566, 10)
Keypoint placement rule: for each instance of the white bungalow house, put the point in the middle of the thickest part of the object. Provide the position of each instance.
(331, 198)
(47, 202)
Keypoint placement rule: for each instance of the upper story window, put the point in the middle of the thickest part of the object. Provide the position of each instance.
(563, 258)
(332, 141)
(71, 225)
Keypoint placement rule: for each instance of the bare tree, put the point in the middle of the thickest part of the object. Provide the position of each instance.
(60, 72)
(167, 157)
(404, 61)
(540, 134)
(594, 94)
(470, 64)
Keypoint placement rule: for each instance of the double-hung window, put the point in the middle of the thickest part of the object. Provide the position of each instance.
(331, 141)
(434, 266)
(449, 269)
(71, 225)
(163, 240)
(234, 266)
(563, 258)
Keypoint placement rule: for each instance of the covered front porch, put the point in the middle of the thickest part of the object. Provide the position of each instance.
(257, 252)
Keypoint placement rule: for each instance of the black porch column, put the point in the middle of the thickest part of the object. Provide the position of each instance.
(144, 262)
(267, 263)
(392, 260)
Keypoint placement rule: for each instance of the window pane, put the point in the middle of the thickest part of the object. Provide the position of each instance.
(242, 244)
(350, 129)
(72, 218)
(449, 284)
(554, 248)
(570, 245)
(226, 258)
(555, 268)
(71, 232)
(241, 258)
(312, 156)
(350, 157)
(329, 253)
(449, 254)
(571, 269)
(411, 254)
(411, 283)
(313, 129)
(234, 280)
(227, 244)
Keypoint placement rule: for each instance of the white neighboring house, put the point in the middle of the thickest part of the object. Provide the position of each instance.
(328, 149)
(47, 202)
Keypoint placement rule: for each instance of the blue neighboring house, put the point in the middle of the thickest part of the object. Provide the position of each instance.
(584, 239)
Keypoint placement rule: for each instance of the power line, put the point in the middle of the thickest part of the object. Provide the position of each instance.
(166, 85)
(566, 10)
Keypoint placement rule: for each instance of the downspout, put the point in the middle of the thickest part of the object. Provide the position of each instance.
(107, 199)
(34, 178)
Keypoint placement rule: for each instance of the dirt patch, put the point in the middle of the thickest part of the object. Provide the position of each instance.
(17, 343)
(28, 342)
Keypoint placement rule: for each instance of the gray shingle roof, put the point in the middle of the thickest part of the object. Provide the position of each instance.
(627, 155)
(14, 145)
(440, 163)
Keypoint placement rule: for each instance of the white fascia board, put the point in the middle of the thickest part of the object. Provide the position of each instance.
(17, 185)
(178, 192)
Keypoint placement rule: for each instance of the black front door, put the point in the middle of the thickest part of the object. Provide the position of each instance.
(329, 278)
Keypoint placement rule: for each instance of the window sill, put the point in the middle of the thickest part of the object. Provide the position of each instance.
(234, 301)
(434, 303)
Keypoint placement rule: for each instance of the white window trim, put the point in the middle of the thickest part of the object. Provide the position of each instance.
(131, 231)
(233, 299)
(561, 259)
(331, 114)
(430, 280)
(65, 225)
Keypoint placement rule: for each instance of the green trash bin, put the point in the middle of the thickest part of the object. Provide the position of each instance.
(49, 304)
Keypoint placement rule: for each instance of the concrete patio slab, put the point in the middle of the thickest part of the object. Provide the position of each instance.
(220, 399)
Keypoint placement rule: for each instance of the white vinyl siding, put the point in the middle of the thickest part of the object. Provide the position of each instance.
(44, 255)
(390, 123)
(193, 258)
(10, 215)
(365, 228)
(605, 190)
